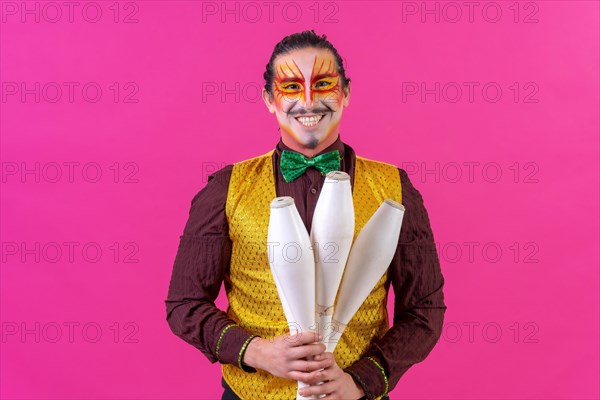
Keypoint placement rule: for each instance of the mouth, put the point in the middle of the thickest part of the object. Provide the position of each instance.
(310, 121)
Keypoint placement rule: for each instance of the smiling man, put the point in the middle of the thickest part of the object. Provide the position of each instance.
(224, 241)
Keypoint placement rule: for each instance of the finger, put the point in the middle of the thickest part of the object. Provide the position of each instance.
(306, 377)
(306, 351)
(328, 374)
(309, 366)
(323, 356)
(326, 388)
(332, 373)
(312, 378)
(302, 338)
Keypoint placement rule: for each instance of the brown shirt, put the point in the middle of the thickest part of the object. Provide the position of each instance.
(202, 265)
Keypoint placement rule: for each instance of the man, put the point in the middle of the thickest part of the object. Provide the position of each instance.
(225, 240)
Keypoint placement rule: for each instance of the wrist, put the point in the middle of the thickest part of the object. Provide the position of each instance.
(252, 355)
(362, 387)
(358, 387)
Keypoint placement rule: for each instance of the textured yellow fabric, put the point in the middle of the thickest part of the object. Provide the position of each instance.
(253, 300)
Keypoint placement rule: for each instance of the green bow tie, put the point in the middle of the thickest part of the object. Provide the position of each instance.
(294, 164)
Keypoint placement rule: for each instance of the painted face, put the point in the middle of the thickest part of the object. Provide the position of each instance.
(308, 96)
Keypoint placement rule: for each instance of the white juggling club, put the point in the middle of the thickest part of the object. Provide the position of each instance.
(293, 266)
(331, 235)
(370, 256)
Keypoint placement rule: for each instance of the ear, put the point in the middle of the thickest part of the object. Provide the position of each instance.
(269, 101)
(347, 93)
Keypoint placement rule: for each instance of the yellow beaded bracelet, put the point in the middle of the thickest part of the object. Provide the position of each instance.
(221, 338)
(382, 373)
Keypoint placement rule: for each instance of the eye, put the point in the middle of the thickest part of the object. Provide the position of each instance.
(291, 86)
(323, 84)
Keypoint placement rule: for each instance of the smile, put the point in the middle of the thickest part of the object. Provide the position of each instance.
(310, 121)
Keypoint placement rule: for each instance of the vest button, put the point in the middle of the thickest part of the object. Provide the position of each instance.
(313, 190)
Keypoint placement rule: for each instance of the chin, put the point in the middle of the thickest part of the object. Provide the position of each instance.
(310, 139)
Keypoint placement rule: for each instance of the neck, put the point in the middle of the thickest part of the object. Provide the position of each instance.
(293, 144)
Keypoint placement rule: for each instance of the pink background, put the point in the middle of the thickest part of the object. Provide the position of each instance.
(532, 309)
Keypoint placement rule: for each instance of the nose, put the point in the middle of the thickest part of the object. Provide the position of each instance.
(308, 100)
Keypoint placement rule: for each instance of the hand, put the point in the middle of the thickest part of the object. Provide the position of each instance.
(286, 356)
(338, 384)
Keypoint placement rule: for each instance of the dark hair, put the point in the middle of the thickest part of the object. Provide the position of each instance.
(298, 41)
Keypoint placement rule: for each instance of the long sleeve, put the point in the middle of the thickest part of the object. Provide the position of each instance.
(419, 307)
(201, 265)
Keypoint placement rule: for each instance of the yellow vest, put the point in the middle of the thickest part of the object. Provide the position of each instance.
(253, 300)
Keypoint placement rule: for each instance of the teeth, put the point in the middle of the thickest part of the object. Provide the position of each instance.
(309, 121)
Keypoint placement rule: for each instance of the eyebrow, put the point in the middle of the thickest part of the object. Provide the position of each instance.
(290, 79)
(328, 75)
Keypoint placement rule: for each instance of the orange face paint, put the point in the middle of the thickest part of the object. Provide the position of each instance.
(323, 85)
